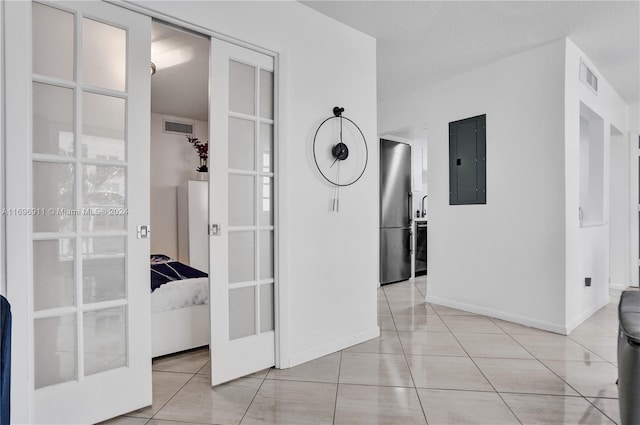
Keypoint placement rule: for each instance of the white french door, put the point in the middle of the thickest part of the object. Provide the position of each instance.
(78, 152)
(241, 211)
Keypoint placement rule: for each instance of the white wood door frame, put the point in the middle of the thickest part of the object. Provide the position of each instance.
(3, 240)
(280, 164)
(16, 194)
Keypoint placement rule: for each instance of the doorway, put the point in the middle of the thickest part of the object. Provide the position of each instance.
(178, 192)
(236, 94)
(87, 151)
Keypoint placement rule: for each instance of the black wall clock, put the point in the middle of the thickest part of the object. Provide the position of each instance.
(340, 150)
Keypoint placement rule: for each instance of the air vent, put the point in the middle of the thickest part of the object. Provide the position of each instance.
(178, 127)
(588, 77)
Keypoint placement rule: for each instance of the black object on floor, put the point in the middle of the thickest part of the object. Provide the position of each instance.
(5, 361)
(629, 357)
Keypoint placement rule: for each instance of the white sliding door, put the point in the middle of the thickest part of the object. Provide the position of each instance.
(241, 212)
(78, 161)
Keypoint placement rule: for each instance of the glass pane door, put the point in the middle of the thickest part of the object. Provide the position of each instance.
(242, 262)
(79, 177)
(85, 154)
(250, 199)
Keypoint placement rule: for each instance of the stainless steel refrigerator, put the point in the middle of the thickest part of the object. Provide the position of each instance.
(395, 211)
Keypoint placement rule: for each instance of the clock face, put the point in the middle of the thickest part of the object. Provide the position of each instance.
(340, 151)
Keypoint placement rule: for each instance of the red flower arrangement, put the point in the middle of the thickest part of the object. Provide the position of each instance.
(203, 152)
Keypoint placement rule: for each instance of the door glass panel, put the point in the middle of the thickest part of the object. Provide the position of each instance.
(266, 254)
(53, 192)
(103, 196)
(266, 308)
(242, 312)
(266, 94)
(241, 200)
(53, 42)
(105, 345)
(52, 120)
(266, 202)
(266, 148)
(103, 127)
(53, 274)
(103, 269)
(241, 257)
(55, 350)
(242, 144)
(242, 92)
(104, 55)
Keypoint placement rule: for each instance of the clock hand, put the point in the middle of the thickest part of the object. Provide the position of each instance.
(334, 161)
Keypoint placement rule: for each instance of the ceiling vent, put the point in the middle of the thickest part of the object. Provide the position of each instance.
(177, 127)
(588, 77)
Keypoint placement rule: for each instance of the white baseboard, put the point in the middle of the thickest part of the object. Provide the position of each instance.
(574, 323)
(510, 317)
(332, 347)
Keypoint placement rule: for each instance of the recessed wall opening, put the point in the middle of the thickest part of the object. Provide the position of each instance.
(619, 206)
(591, 207)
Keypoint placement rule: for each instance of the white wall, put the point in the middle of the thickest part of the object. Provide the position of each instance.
(328, 261)
(173, 162)
(418, 175)
(3, 289)
(634, 118)
(505, 258)
(587, 248)
(634, 152)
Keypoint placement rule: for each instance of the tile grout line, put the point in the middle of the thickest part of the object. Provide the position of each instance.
(424, 413)
(478, 367)
(335, 404)
(601, 410)
(264, 378)
(406, 360)
(547, 367)
(345, 383)
(580, 395)
(591, 351)
(174, 394)
(176, 421)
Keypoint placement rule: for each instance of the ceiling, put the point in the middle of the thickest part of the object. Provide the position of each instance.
(422, 42)
(180, 86)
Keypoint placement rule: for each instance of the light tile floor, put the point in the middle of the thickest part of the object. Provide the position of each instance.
(431, 364)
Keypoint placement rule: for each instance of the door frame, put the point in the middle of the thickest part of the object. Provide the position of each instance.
(22, 391)
(281, 245)
(3, 223)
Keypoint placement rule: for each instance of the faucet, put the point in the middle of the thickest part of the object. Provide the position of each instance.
(424, 212)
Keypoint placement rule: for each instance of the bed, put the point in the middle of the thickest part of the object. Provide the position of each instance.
(179, 306)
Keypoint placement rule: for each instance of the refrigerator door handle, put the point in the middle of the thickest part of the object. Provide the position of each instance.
(410, 205)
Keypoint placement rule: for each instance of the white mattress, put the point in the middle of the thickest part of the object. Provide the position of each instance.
(180, 293)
